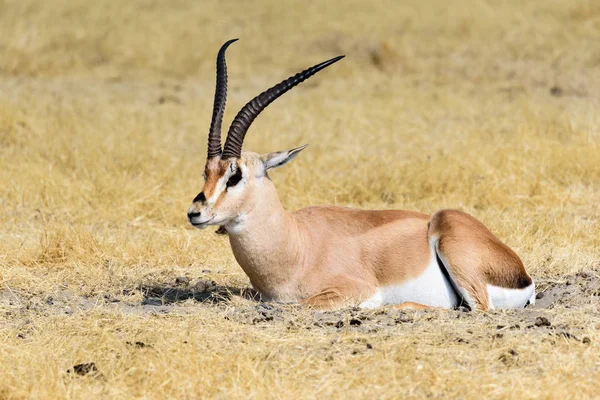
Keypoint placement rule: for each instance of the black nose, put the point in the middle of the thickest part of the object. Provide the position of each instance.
(193, 215)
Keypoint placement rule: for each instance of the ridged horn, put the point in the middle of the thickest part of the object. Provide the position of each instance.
(214, 135)
(248, 113)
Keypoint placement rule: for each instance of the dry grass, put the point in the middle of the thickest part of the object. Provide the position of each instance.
(487, 106)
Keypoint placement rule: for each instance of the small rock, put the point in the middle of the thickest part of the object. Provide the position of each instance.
(509, 358)
(586, 340)
(138, 344)
(355, 322)
(84, 369)
(262, 318)
(540, 295)
(369, 346)
(204, 285)
(542, 321)
(403, 319)
(182, 280)
(339, 324)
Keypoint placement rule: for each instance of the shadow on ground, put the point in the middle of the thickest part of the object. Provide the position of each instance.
(204, 292)
(571, 291)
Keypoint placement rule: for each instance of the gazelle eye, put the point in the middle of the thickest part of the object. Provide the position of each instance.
(235, 178)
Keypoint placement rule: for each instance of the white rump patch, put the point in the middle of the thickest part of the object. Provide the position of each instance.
(431, 288)
(500, 297)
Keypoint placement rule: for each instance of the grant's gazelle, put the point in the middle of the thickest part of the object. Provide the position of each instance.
(330, 256)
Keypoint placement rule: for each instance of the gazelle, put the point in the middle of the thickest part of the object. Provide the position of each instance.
(329, 256)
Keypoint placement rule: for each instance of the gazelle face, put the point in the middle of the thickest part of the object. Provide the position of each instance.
(230, 185)
(229, 176)
(226, 184)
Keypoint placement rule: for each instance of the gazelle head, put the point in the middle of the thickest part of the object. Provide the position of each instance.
(232, 178)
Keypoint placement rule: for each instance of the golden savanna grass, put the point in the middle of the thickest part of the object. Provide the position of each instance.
(491, 107)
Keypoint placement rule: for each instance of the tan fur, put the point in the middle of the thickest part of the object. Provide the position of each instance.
(215, 169)
(326, 256)
(409, 305)
(476, 257)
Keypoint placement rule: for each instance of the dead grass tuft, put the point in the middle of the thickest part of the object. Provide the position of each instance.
(64, 245)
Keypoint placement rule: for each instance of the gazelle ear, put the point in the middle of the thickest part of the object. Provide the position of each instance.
(279, 158)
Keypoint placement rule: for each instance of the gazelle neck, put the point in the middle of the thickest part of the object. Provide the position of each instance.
(266, 242)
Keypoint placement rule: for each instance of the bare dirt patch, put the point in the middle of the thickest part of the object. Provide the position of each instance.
(572, 291)
(240, 305)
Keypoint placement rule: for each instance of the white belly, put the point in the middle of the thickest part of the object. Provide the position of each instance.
(431, 288)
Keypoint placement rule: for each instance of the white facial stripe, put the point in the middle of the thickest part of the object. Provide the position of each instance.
(221, 185)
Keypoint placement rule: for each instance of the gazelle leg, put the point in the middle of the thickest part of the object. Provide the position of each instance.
(409, 305)
(345, 291)
(475, 260)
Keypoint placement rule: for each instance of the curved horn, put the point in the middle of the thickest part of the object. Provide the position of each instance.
(243, 120)
(214, 135)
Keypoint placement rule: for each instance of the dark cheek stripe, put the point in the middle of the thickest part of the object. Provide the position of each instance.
(200, 198)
